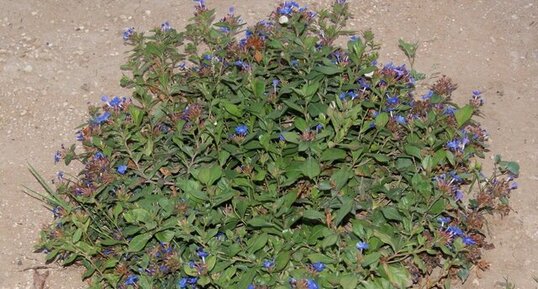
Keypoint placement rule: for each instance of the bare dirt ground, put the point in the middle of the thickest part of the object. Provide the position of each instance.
(56, 56)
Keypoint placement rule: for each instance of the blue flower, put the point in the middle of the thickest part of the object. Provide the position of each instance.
(276, 82)
(361, 245)
(311, 284)
(281, 137)
(115, 102)
(363, 83)
(453, 145)
(428, 95)
(242, 65)
(318, 266)
(241, 130)
(201, 3)
(164, 269)
(201, 253)
(251, 286)
(98, 156)
(458, 195)
(454, 231)
(443, 220)
(79, 136)
(121, 169)
(294, 62)
(208, 57)
(449, 110)
(392, 100)
(292, 281)
(102, 118)
(342, 95)
(477, 98)
(127, 33)
(285, 10)
(456, 177)
(192, 280)
(354, 38)
(182, 283)
(267, 264)
(319, 127)
(400, 119)
(57, 212)
(165, 27)
(57, 157)
(467, 240)
(131, 280)
(352, 94)
(513, 186)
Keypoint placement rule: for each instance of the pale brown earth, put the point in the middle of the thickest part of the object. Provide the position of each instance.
(58, 56)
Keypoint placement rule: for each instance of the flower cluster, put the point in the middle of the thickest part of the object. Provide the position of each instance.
(127, 33)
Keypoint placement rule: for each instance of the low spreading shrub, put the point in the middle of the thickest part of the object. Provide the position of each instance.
(277, 160)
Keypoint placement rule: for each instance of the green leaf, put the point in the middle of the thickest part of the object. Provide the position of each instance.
(438, 207)
(328, 70)
(281, 260)
(311, 168)
(311, 89)
(259, 222)
(208, 175)
(258, 243)
(77, 235)
(138, 243)
(427, 163)
(409, 49)
(511, 167)
(398, 275)
(165, 236)
(233, 109)
(145, 282)
(412, 151)
(341, 177)
(391, 213)
(291, 137)
(463, 115)
(349, 281)
(370, 259)
(300, 124)
(380, 158)
(345, 209)
(315, 109)
(450, 158)
(148, 147)
(329, 241)
(137, 114)
(246, 278)
(318, 257)
(312, 214)
(332, 154)
(210, 262)
(258, 87)
(381, 120)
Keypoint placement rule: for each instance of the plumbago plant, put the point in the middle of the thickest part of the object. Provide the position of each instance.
(278, 160)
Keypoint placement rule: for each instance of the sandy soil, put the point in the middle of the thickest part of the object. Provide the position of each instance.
(57, 56)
